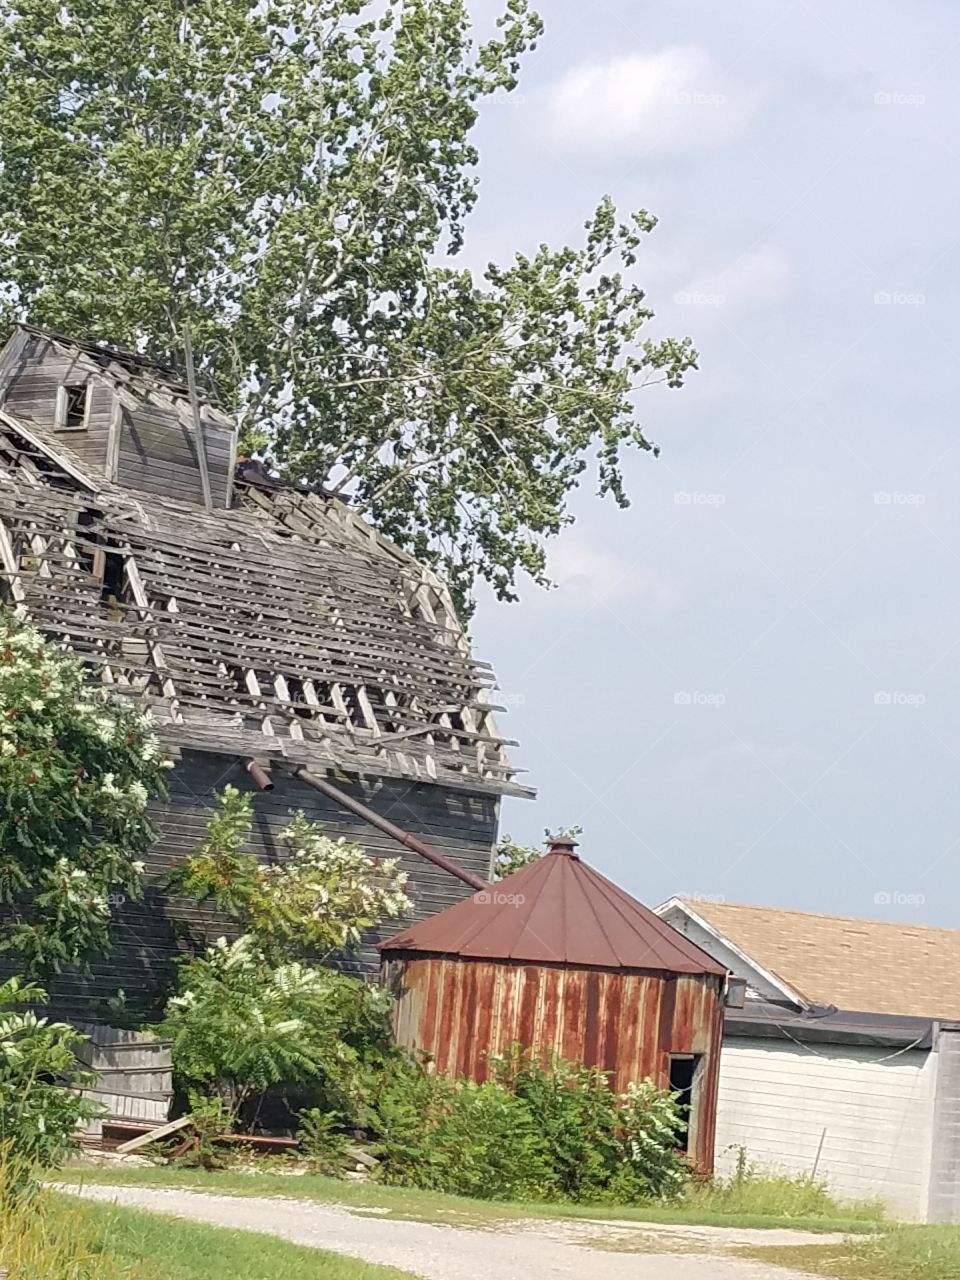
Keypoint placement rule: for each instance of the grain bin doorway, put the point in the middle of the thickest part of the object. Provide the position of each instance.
(686, 1079)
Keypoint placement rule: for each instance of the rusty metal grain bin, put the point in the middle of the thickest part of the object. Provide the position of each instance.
(558, 958)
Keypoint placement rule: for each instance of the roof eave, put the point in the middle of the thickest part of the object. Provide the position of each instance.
(789, 993)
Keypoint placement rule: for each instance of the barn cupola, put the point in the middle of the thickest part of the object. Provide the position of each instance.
(121, 416)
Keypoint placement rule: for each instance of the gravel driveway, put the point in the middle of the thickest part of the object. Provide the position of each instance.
(541, 1250)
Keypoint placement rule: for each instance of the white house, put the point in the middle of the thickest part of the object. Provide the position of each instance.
(845, 1060)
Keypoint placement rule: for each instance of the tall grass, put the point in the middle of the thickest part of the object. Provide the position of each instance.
(750, 1191)
(41, 1239)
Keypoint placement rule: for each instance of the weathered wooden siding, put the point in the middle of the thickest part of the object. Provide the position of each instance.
(32, 395)
(462, 825)
(459, 1011)
(157, 450)
(158, 455)
(134, 1074)
(776, 1100)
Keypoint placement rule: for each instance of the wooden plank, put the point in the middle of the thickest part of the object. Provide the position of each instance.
(164, 1131)
(112, 461)
(197, 419)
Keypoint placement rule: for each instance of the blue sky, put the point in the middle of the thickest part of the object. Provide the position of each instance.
(745, 686)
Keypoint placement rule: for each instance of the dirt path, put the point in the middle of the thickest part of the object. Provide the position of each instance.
(541, 1250)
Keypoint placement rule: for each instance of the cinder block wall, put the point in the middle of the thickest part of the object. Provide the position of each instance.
(945, 1163)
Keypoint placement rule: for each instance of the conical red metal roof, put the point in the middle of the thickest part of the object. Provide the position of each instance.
(557, 910)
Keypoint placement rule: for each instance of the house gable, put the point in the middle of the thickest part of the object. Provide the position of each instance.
(761, 984)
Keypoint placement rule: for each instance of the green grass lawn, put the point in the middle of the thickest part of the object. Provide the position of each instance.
(897, 1253)
(429, 1206)
(148, 1246)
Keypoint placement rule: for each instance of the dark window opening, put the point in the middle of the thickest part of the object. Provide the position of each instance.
(683, 1080)
(111, 592)
(73, 408)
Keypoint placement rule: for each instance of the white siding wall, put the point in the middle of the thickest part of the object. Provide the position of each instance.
(776, 1099)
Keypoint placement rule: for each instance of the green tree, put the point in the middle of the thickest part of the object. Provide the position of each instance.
(510, 856)
(292, 179)
(318, 900)
(76, 772)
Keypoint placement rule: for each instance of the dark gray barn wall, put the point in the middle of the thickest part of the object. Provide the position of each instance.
(461, 825)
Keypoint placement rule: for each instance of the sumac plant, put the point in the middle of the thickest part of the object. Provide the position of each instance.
(316, 901)
(242, 1025)
(77, 769)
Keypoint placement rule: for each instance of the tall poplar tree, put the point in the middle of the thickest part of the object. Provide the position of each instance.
(292, 179)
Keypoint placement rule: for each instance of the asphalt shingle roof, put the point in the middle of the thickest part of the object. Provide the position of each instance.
(878, 966)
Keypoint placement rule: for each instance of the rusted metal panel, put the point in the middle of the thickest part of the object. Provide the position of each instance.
(460, 1011)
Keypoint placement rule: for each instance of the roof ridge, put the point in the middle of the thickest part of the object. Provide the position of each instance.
(697, 903)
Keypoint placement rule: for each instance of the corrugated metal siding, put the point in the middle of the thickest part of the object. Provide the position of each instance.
(462, 1011)
(775, 1100)
(462, 825)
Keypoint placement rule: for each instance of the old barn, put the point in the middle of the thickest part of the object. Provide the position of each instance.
(559, 959)
(282, 644)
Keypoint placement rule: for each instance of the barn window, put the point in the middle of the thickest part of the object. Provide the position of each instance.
(111, 590)
(72, 404)
(685, 1080)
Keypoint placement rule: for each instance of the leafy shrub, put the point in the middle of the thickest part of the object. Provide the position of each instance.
(457, 1136)
(318, 900)
(241, 1025)
(555, 1132)
(601, 1145)
(76, 772)
(39, 1110)
(322, 1140)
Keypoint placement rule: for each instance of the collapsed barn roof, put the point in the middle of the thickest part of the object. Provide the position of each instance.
(278, 625)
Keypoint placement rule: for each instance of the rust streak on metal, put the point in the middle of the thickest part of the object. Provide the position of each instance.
(564, 963)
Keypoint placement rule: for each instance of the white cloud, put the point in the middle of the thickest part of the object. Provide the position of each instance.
(588, 574)
(678, 99)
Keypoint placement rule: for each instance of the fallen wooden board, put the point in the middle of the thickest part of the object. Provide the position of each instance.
(145, 1139)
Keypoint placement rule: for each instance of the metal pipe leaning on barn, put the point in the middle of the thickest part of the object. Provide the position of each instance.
(426, 851)
(259, 774)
